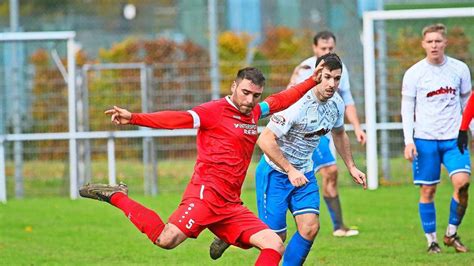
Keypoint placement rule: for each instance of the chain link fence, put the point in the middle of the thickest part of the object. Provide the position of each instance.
(158, 59)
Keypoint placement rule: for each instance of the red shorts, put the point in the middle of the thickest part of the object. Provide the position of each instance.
(202, 208)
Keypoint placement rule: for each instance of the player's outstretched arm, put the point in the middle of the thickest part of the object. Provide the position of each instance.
(119, 116)
(163, 119)
(267, 142)
(284, 99)
(343, 147)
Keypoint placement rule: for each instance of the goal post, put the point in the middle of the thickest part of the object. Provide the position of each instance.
(372, 126)
(67, 36)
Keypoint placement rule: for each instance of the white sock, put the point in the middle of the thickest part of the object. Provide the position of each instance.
(431, 237)
(451, 230)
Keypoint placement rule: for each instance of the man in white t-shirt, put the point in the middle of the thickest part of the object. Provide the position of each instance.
(434, 92)
(324, 157)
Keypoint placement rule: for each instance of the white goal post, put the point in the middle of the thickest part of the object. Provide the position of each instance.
(67, 36)
(369, 19)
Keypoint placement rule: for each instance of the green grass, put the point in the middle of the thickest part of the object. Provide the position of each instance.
(50, 178)
(59, 231)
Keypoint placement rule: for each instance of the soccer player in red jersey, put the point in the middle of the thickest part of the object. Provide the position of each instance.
(467, 116)
(225, 141)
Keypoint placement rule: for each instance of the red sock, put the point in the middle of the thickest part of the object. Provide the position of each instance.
(268, 257)
(146, 220)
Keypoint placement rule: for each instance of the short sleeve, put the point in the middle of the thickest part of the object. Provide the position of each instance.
(281, 122)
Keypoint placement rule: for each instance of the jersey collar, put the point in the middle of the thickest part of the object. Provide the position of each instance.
(230, 102)
(442, 63)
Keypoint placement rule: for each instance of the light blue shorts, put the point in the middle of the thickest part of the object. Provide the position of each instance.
(433, 153)
(322, 155)
(276, 195)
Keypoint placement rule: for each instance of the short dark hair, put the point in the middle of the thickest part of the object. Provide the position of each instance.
(325, 35)
(251, 73)
(331, 61)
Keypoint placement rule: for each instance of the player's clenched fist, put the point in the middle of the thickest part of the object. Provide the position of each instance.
(119, 116)
(410, 152)
(297, 178)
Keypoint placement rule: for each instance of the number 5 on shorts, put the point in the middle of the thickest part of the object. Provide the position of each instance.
(190, 223)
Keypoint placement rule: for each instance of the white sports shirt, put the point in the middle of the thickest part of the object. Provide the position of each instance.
(437, 90)
(299, 128)
(306, 69)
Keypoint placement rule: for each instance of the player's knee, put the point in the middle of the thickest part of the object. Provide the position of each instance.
(309, 230)
(280, 247)
(330, 174)
(167, 241)
(332, 171)
(276, 243)
(311, 233)
(427, 193)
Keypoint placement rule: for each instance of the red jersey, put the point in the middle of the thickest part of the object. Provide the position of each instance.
(467, 114)
(226, 137)
(225, 142)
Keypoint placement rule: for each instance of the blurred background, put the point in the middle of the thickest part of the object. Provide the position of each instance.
(155, 55)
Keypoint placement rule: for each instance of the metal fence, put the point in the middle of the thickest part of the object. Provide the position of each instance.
(173, 74)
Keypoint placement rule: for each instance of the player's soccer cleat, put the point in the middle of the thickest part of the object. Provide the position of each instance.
(102, 192)
(345, 232)
(217, 248)
(434, 248)
(455, 242)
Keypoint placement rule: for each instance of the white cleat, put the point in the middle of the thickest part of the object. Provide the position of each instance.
(345, 232)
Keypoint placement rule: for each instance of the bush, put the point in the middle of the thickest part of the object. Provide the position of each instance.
(233, 49)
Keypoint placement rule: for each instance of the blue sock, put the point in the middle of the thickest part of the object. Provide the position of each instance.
(456, 212)
(334, 207)
(297, 250)
(428, 217)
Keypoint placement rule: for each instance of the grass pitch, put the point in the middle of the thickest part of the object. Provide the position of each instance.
(37, 231)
